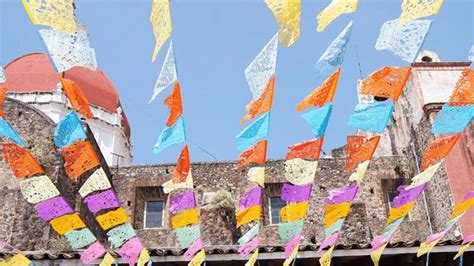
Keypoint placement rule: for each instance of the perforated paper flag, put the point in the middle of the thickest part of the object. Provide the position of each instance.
(108, 260)
(424, 177)
(249, 235)
(341, 195)
(290, 229)
(55, 14)
(294, 211)
(182, 201)
(360, 149)
(253, 259)
(92, 253)
(333, 57)
(193, 249)
(121, 234)
(246, 249)
(463, 93)
(262, 68)
(335, 227)
(173, 101)
(3, 74)
(292, 245)
(160, 19)
(405, 40)
(251, 198)
(79, 158)
(330, 241)
(325, 259)
(198, 258)
(334, 10)
(112, 218)
(168, 74)
(300, 172)
(414, 9)
(76, 97)
(185, 218)
(321, 95)
(371, 117)
(67, 223)
(248, 215)
(334, 212)
(256, 154)
(187, 235)
(80, 238)
(257, 174)
(452, 120)
(6, 130)
(318, 119)
(69, 50)
(407, 195)
(102, 201)
(130, 251)
(262, 104)
(53, 208)
(359, 174)
(37, 189)
(251, 134)
(310, 149)
(387, 82)
(169, 186)
(397, 213)
(471, 54)
(437, 150)
(287, 13)
(294, 193)
(171, 136)
(21, 161)
(183, 166)
(69, 130)
(97, 181)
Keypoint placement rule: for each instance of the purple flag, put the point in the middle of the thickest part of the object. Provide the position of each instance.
(407, 196)
(183, 201)
(53, 208)
(343, 194)
(294, 193)
(468, 195)
(101, 201)
(252, 198)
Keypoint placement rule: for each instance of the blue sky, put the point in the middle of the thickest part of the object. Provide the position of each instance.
(214, 42)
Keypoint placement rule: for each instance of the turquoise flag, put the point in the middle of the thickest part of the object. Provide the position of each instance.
(256, 131)
(171, 136)
(6, 130)
(452, 119)
(318, 119)
(69, 130)
(371, 117)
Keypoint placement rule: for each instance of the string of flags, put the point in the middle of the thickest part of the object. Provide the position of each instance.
(160, 19)
(287, 13)
(335, 9)
(252, 143)
(461, 109)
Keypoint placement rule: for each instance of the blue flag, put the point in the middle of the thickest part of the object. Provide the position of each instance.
(318, 119)
(452, 119)
(171, 136)
(371, 117)
(6, 130)
(69, 130)
(256, 131)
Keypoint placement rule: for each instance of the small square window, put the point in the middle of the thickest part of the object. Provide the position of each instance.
(276, 204)
(153, 214)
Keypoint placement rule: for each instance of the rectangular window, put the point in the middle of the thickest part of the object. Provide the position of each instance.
(153, 214)
(276, 203)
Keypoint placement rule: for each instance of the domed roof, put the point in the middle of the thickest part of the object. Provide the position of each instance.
(35, 73)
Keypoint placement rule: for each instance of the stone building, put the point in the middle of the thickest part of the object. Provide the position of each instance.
(139, 187)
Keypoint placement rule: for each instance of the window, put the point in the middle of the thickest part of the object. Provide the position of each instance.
(153, 214)
(276, 203)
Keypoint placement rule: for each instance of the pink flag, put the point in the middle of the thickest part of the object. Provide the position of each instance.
(130, 251)
(92, 253)
(249, 247)
(329, 241)
(292, 244)
(193, 249)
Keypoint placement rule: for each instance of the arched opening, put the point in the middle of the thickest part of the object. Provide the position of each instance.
(426, 59)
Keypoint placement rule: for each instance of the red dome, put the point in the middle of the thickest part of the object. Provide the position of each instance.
(35, 73)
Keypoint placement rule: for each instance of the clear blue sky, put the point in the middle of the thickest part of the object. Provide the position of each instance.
(214, 42)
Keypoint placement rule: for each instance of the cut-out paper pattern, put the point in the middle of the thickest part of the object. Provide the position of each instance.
(424, 177)
(67, 223)
(69, 130)
(287, 13)
(182, 202)
(402, 211)
(414, 9)
(96, 181)
(333, 57)
(173, 101)
(371, 117)
(187, 235)
(130, 251)
(3, 92)
(193, 249)
(405, 40)
(112, 218)
(261, 105)
(463, 93)
(387, 82)
(249, 235)
(198, 259)
(341, 195)
(291, 245)
(69, 50)
(121, 234)
(359, 149)
(256, 131)
(53, 208)
(107, 260)
(246, 249)
(183, 166)
(336, 226)
(168, 74)
(6, 130)
(294, 211)
(171, 136)
(185, 218)
(310, 149)
(321, 95)
(325, 259)
(102, 201)
(21, 161)
(92, 253)
(80, 238)
(257, 175)
(466, 243)
(256, 154)
(76, 97)
(294, 193)
(144, 258)
(79, 157)
(248, 215)
(55, 14)
(334, 10)
(452, 120)
(262, 68)
(37, 189)
(438, 150)
(17, 260)
(318, 119)
(3, 75)
(406, 195)
(330, 241)
(334, 212)
(299, 171)
(251, 198)
(169, 186)
(359, 174)
(160, 19)
(290, 229)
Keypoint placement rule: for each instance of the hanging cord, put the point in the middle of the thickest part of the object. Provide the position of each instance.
(428, 259)
(358, 61)
(294, 262)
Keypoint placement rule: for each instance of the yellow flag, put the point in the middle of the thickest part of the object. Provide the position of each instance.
(170, 186)
(359, 174)
(424, 177)
(108, 260)
(253, 259)
(17, 260)
(334, 10)
(257, 174)
(462, 250)
(425, 248)
(334, 212)
(288, 261)
(300, 172)
(160, 19)
(287, 13)
(144, 257)
(294, 211)
(462, 207)
(375, 255)
(325, 259)
(185, 218)
(67, 223)
(396, 213)
(250, 214)
(413, 9)
(55, 14)
(112, 218)
(198, 258)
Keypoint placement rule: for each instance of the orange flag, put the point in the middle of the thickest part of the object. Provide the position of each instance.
(359, 149)
(262, 104)
(182, 166)
(173, 101)
(437, 150)
(76, 97)
(310, 149)
(321, 95)
(3, 93)
(256, 154)
(79, 157)
(463, 93)
(21, 161)
(387, 82)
